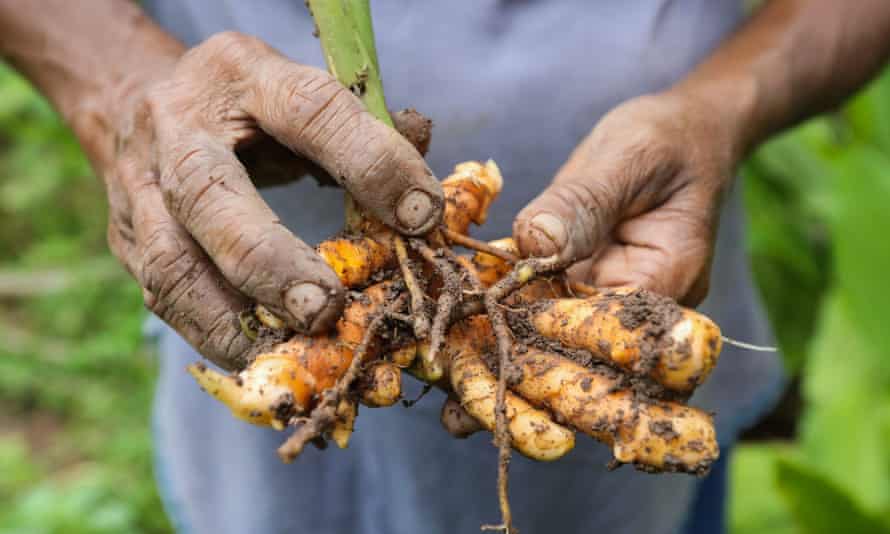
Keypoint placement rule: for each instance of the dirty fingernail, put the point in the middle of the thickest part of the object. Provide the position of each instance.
(415, 209)
(305, 302)
(549, 233)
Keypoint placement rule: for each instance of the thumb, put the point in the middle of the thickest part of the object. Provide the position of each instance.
(572, 218)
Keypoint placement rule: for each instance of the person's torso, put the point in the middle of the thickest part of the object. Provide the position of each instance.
(519, 81)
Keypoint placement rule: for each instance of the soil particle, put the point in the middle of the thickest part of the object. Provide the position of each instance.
(613, 464)
(695, 445)
(663, 429)
(266, 340)
(284, 408)
(415, 127)
(684, 351)
(655, 315)
(605, 348)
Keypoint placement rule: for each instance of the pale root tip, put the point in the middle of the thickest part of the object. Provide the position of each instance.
(219, 386)
(507, 244)
(494, 180)
(488, 175)
(268, 318)
(341, 437)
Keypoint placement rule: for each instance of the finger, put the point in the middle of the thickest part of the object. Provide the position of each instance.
(571, 218)
(308, 111)
(665, 251)
(122, 245)
(208, 191)
(182, 286)
(602, 183)
(271, 164)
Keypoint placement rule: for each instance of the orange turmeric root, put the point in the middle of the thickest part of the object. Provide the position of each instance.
(652, 435)
(468, 194)
(288, 380)
(638, 331)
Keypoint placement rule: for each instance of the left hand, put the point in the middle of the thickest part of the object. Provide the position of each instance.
(638, 201)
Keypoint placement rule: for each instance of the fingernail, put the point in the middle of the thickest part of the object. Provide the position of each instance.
(305, 301)
(549, 233)
(415, 209)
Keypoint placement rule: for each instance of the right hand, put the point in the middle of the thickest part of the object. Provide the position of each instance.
(186, 219)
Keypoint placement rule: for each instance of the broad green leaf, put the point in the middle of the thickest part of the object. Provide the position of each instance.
(859, 228)
(843, 431)
(869, 114)
(820, 507)
(755, 506)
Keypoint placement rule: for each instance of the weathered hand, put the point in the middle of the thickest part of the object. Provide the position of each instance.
(638, 201)
(186, 219)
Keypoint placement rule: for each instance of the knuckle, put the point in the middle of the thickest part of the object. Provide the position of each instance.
(186, 163)
(118, 245)
(381, 160)
(166, 261)
(231, 47)
(196, 197)
(166, 101)
(328, 106)
(249, 264)
(223, 343)
(311, 82)
(651, 152)
(593, 201)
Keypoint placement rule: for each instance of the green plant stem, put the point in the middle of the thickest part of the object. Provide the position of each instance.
(347, 39)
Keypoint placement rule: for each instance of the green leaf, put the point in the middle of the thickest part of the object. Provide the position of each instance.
(868, 115)
(859, 227)
(843, 431)
(820, 507)
(756, 506)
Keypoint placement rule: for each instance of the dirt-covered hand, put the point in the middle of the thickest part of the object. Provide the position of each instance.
(186, 219)
(637, 203)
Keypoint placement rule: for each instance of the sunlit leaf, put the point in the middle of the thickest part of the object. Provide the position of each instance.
(818, 506)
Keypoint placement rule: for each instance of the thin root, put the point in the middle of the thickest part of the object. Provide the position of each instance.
(502, 433)
(479, 246)
(408, 403)
(448, 298)
(421, 321)
(524, 272)
(580, 288)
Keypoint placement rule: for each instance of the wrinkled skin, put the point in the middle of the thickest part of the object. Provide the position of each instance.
(186, 219)
(636, 204)
(638, 201)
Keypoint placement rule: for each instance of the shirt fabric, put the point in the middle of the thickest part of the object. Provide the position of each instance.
(522, 82)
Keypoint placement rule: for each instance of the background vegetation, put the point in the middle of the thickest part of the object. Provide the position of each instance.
(76, 378)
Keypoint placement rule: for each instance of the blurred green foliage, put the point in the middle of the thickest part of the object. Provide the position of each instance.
(75, 377)
(818, 204)
(76, 380)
